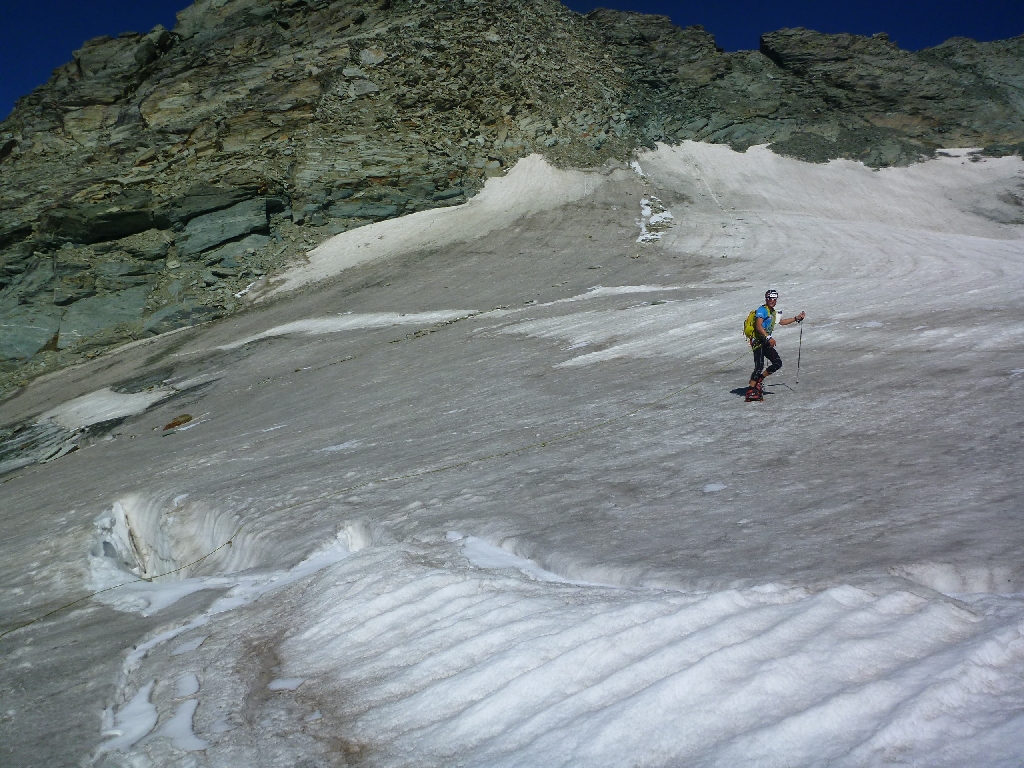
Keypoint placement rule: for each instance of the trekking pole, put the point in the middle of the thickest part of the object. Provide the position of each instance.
(799, 349)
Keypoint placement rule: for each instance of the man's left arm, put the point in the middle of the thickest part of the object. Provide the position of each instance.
(795, 319)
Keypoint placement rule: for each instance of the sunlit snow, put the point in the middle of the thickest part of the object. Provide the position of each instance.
(104, 405)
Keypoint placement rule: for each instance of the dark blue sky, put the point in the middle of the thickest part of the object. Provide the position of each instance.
(39, 35)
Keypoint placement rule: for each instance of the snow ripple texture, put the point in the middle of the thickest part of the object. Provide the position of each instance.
(499, 670)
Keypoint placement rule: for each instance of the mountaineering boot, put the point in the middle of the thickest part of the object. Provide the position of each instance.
(754, 394)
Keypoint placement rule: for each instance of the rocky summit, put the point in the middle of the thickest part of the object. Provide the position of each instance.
(156, 177)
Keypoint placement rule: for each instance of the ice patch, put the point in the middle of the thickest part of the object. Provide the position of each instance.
(484, 555)
(188, 685)
(137, 655)
(352, 322)
(147, 597)
(637, 169)
(343, 446)
(1017, 371)
(714, 487)
(133, 721)
(191, 645)
(132, 548)
(286, 684)
(600, 291)
(249, 589)
(963, 579)
(179, 728)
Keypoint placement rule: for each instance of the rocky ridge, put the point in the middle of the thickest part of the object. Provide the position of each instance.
(156, 177)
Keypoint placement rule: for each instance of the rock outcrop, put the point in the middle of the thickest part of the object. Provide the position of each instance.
(155, 176)
(817, 97)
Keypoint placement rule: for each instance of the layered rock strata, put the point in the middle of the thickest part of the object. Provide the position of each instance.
(155, 177)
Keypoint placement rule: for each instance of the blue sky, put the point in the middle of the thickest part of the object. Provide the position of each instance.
(36, 37)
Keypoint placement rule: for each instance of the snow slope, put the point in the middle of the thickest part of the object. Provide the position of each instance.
(493, 496)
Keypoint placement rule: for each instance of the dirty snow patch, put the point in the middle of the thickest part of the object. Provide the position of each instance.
(654, 219)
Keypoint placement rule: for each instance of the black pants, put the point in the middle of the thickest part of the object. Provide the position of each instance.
(761, 351)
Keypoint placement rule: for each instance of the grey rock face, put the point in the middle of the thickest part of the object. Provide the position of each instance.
(150, 245)
(93, 222)
(211, 229)
(362, 210)
(232, 254)
(252, 131)
(362, 88)
(89, 316)
(177, 316)
(201, 199)
(26, 329)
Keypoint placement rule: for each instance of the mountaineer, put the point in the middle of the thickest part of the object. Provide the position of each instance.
(758, 330)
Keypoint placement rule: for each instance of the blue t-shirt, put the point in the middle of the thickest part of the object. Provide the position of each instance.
(767, 319)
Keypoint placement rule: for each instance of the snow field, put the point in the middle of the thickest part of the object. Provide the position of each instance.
(425, 665)
(833, 579)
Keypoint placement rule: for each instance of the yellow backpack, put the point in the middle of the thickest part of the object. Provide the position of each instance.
(748, 325)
